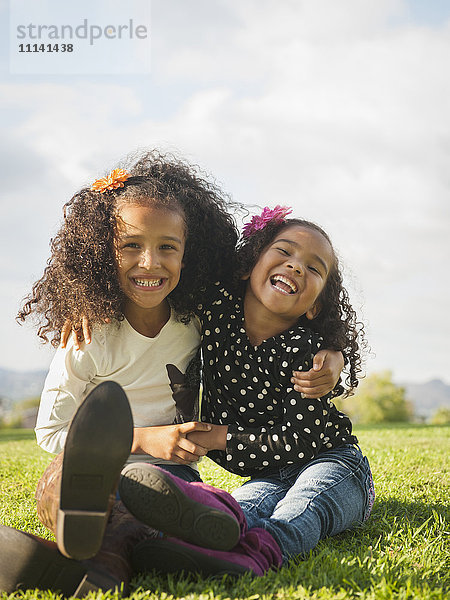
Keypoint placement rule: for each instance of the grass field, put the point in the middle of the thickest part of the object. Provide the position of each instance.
(402, 552)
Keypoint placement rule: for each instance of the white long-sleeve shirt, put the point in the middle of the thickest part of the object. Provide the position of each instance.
(117, 353)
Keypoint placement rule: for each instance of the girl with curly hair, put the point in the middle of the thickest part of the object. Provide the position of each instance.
(308, 477)
(133, 259)
(132, 256)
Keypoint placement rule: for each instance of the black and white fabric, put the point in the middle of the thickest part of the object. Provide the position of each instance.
(249, 389)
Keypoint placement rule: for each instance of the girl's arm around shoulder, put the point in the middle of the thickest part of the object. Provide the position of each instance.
(78, 333)
(323, 377)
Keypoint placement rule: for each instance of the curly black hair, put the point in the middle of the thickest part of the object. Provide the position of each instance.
(337, 322)
(81, 275)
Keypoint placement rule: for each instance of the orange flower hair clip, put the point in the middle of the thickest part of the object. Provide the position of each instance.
(114, 180)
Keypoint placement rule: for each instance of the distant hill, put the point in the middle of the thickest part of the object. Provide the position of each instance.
(19, 385)
(427, 397)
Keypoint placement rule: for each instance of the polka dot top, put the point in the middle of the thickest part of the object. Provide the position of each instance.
(248, 388)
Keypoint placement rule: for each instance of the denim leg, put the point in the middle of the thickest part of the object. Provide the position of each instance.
(259, 497)
(302, 506)
(183, 472)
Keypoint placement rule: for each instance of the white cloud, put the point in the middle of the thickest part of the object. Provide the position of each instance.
(336, 108)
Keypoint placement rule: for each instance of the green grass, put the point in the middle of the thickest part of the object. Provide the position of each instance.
(401, 553)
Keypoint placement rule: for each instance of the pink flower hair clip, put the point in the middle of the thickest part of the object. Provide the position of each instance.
(258, 222)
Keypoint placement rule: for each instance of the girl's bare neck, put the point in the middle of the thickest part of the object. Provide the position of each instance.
(148, 322)
(261, 325)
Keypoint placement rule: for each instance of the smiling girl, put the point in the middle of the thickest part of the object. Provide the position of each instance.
(308, 476)
(136, 249)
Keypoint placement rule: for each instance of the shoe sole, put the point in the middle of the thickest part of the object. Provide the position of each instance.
(153, 498)
(165, 556)
(26, 563)
(97, 446)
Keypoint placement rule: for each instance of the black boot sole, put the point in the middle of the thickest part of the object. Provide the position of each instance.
(152, 497)
(97, 446)
(26, 563)
(165, 556)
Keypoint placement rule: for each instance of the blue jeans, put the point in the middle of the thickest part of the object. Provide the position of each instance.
(183, 472)
(299, 506)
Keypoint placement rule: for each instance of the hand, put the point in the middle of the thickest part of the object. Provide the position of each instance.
(216, 439)
(170, 442)
(78, 332)
(322, 378)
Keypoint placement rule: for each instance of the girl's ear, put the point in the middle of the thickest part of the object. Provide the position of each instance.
(245, 277)
(312, 312)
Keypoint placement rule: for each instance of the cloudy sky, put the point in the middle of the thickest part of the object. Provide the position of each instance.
(339, 108)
